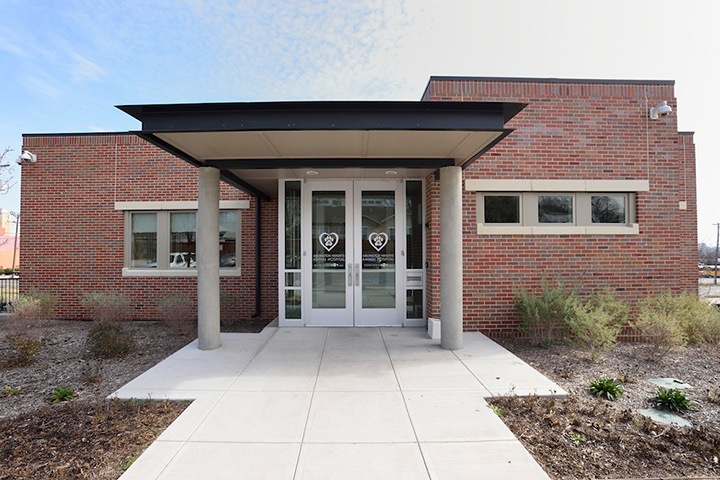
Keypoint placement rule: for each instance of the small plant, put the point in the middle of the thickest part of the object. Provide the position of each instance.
(713, 396)
(26, 348)
(576, 438)
(62, 394)
(129, 463)
(672, 399)
(624, 377)
(606, 388)
(498, 411)
(9, 391)
(543, 315)
(110, 340)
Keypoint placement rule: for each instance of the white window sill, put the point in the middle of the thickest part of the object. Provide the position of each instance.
(633, 229)
(175, 272)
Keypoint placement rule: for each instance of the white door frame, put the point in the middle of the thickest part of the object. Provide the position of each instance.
(304, 276)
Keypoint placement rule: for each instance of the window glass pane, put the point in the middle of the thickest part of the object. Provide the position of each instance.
(182, 240)
(414, 221)
(328, 249)
(414, 304)
(608, 209)
(292, 304)
(378, 249)
(555, 209)
(143, 241)
(292, 225)
(502, 208)
(228, 240)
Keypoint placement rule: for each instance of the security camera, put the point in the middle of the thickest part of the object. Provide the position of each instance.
(662, 109)
(27, 157)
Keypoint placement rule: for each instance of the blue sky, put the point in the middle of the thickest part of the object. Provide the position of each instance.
(65, 64)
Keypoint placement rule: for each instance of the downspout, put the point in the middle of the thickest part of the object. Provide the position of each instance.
(258, 286)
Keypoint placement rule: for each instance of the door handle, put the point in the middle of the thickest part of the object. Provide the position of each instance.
(357, 274)
(349, 274)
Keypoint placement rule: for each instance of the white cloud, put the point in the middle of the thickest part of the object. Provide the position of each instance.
(83, 70)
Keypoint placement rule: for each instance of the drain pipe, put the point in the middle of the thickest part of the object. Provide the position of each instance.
(258, 286)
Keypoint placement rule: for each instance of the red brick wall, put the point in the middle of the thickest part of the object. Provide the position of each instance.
(575, 130)
(72, 239)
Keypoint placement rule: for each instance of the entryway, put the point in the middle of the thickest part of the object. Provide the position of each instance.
(357, 253)
(354, 273)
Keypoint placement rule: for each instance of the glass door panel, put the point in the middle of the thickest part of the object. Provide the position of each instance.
(378, 249)
(328, 249)
(327, 254)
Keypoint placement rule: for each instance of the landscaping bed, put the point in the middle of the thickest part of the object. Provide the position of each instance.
(85, 436)
(587, 437)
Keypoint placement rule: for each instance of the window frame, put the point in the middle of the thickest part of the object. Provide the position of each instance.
(534, 198)
(582, 215)
(501, 194)
(163, 268)
(625, 196)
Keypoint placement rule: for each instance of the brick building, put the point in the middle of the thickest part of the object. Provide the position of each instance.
(504, 180)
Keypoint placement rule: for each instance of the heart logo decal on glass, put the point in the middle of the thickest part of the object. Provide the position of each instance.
(378, 240)
(328, 240)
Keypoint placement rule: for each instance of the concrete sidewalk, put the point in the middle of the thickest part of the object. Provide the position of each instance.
(350, 403)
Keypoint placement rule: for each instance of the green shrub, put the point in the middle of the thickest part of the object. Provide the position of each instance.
(543, 315)
(659, 321)
(110, 340)
(606, 301)
(62, 394)
(177, 313)
(699, 320)
(593, 328)
(106, 307)
(672, 399)
(606, 388)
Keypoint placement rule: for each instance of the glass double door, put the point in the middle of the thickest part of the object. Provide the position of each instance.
(353, 274)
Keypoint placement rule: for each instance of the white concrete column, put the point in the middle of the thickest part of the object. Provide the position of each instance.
(451, 259)
(208, 258)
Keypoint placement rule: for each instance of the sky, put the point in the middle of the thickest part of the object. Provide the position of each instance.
(65, 64)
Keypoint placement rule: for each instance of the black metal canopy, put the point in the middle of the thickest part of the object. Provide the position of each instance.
(253, 144)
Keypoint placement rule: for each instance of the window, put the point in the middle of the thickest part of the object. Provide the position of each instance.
(555, 209)
(502, 209)
(143, 241)
(608, 209)
(165, 242)
(562, 213)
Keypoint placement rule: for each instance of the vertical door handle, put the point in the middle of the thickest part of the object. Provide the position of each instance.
(349, 274)
(357, 274)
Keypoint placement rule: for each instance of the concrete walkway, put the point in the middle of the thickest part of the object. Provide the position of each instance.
(350, 403)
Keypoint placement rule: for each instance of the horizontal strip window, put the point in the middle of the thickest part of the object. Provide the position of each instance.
(531, 213)
(163, 243)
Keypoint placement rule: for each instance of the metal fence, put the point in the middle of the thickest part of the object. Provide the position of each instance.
(9, 290)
